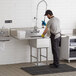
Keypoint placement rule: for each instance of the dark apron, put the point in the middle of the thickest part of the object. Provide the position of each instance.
(53, 37)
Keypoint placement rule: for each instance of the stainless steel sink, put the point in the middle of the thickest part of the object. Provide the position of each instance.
(4, 38)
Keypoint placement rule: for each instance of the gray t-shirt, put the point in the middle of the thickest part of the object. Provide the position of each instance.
(54, 26)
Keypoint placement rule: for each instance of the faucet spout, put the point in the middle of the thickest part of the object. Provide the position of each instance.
(2, 30)
(35, 30)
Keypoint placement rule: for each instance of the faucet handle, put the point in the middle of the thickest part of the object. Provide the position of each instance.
(35, 27)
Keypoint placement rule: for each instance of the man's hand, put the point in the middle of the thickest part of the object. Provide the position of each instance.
(44, 23)
(45, 31)
(42, 35)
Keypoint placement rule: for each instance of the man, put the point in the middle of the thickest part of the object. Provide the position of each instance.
(54, 26)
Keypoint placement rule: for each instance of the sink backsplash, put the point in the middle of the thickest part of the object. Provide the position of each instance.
(29, 31)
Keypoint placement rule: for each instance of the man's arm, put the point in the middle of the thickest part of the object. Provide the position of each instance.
(45, 31)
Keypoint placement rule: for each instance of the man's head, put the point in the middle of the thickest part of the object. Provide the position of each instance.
(49, 13)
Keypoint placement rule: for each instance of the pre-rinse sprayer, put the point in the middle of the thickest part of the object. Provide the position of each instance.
(35, 28)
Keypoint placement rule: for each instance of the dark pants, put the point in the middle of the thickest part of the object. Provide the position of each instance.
(55, 49)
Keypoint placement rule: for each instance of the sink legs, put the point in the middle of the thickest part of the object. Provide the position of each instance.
(37, 53)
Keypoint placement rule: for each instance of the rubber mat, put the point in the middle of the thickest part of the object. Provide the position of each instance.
(46, 69)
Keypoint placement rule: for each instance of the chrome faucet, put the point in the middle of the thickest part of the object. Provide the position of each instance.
(35, 27)
(2, 32)
(37, 10)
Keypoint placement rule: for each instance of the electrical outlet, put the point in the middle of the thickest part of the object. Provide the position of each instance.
(8, 21)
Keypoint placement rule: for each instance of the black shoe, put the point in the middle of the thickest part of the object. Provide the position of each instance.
(53, 66)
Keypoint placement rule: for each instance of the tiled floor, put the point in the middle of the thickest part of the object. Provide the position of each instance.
(14, 70)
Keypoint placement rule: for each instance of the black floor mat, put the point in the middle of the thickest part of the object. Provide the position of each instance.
(38, 70)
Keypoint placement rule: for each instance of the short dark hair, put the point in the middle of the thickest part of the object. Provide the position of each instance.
(48, 12)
